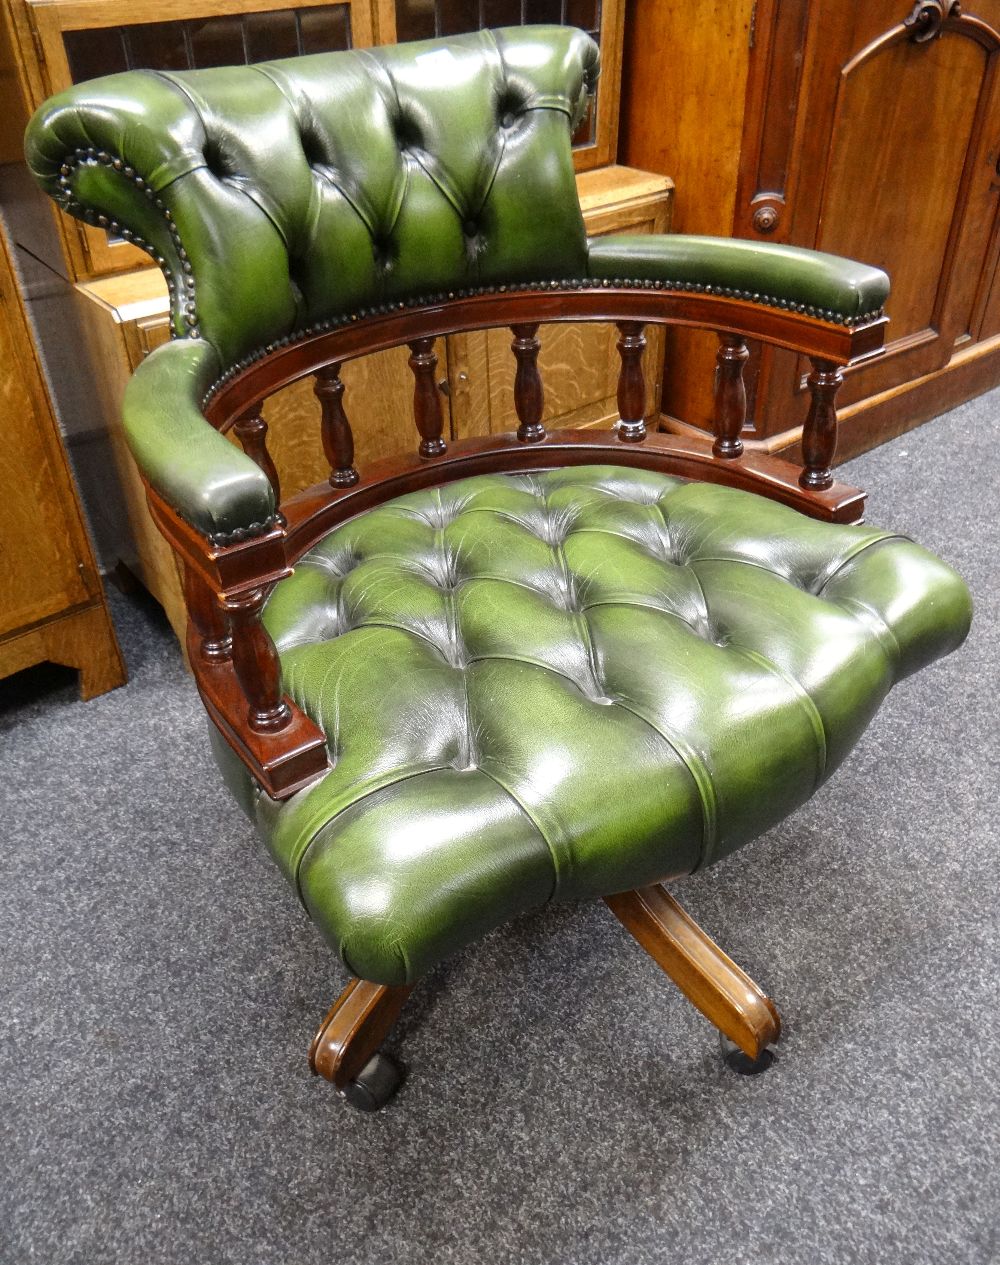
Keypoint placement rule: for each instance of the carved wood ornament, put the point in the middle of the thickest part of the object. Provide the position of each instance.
(928, 17)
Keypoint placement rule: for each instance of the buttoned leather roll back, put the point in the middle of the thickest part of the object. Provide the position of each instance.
(280, 196)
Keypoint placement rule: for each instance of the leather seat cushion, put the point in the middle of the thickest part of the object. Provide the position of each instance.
(569, 684)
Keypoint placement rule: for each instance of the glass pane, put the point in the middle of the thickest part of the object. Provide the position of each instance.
(585, 13)
(93, 53)
(585, 133)
(415, 19)
(457, 16)
(501, 12)
(324, 30)
(216, 41)
(156, 46)
(543, 11)
(227, 40)
(272, 35)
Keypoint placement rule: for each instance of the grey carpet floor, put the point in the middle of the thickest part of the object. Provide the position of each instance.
(565, 1104)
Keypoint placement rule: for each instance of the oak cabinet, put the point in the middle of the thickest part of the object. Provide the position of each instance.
(868, 129)
(52, 604)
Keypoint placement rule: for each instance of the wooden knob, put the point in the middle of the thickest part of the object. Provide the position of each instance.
(765, 219)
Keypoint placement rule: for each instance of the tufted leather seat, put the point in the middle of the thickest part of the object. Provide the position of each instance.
(569, 684)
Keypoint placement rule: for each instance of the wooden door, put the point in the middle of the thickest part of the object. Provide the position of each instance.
(889, 156)
(43, 569)
(51, 602)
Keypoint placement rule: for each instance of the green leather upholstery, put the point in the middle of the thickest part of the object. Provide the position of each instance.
(566, 684)
(300, 194)
(534, 687)
(782, 276)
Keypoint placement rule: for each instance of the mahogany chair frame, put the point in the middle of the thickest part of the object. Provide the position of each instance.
(235, 662)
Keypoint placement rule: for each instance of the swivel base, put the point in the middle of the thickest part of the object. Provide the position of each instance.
(724, 994)
(345, 1050)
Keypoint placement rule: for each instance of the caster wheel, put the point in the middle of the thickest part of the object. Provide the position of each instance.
(737, 1061)
(375, 1084)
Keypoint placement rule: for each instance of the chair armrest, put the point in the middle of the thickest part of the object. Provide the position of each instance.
(210, 483)
(775, 275)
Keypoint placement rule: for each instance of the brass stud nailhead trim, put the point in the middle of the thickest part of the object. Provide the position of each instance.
(386, 309)
(182, 304)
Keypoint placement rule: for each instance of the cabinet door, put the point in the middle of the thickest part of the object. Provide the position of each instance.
(890, 158)
(44, 562)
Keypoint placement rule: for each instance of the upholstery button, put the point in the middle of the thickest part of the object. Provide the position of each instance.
(507, 121)
(470, 228)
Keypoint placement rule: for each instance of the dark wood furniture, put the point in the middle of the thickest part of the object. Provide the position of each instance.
(864, 129)
(235, 663)
(53, 606)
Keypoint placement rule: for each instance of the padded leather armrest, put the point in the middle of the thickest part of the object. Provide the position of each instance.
(821, 285)
(209, 482)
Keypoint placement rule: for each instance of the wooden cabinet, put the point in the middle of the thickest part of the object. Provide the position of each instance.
(868, 129)
(46, 45)
(53, 606)
(122, 318)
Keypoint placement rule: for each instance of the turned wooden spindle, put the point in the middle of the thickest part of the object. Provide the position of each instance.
(819, 435)
(631, 383)
(338, 439)
(256, 662)
(529, 394)
(208, 617)
(251, 431)
(730, 395)
(426, 401)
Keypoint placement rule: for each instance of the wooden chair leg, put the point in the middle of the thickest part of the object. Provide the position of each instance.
(724, 994)
(347, 1043)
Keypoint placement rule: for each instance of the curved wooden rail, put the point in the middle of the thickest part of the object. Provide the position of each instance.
(840, 344)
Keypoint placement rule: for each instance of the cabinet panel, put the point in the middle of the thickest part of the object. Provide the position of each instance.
(909, 187)
(890, 164)
(53, 607)
(40, 565)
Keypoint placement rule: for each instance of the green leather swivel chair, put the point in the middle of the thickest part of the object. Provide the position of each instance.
(530, 667)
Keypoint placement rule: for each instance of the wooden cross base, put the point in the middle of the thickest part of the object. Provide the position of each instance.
(356, 1025)
(724, 994)
(361, 1018)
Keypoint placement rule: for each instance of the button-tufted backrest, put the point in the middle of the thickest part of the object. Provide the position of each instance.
(279, 196)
